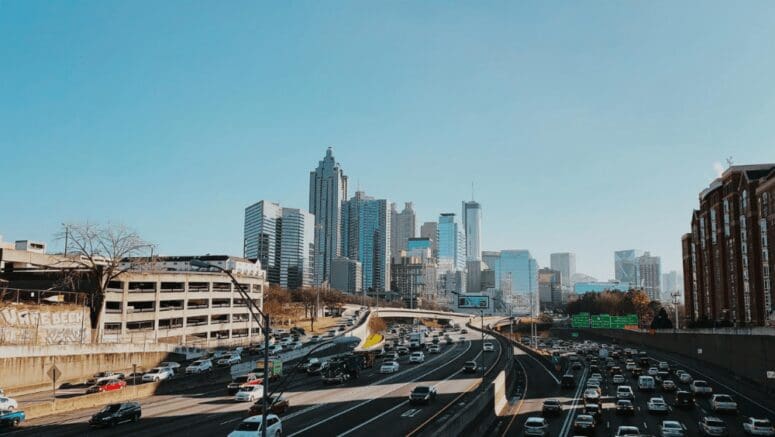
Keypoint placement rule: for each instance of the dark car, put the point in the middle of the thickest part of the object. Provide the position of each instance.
(422, 394)
(684, 399)
(568, 381)
(551, 407)
(584, 424)
(11, 419)
(625, 407)
(576, 365)
(469, 367)
(114, 414)
(277, 405)
(592, 410)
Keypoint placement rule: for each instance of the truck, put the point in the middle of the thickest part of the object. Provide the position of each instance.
(239, 382)
(416, 340)
(256, 367)
(342, 369)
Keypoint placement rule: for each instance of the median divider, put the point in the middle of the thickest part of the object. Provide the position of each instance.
(47, 408)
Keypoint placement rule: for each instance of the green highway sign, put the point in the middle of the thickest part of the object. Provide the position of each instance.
(602, 321)
(580, 320)
(574, 334)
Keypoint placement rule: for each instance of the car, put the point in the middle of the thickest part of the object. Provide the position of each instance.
(753, 426)
(134, 378)
(594, 383)
(230, 360)
(11, 418)
(713, 426)
(597, 376)
(434, 349)
(646, 383)
(685, 378)
(721, 403)
(700, 388)
(668, 385)
(593, 410)
(422, 394)
(630, 365)
(170, 365)
(107, 385)
(488, 347)
(391, 356)
(113, 414)
(241, 381)
(615, 370)
(627, 431)
(470, 367)
(389, 367)
(464, 331)
(277, 405)
(199, 366)
(684, 399)
(624, 392)
(304, 365)
(101, 376)
(551, 407)
(251, 427)
(618, 379)
(8, 404)
(591, 396)
(625, 407)
(663, 365)
(417, 357)
(157, 374)
(672, 428)
(576, 365)
(584, 424)
(652, 371)
(275, 349)
(536, 426)
(402, 350)
(217, 355)
(317, 367)
(657, 405)
(249, 393)
(568, 381)
(314, 339)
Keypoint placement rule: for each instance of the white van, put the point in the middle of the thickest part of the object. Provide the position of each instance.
(646, 383)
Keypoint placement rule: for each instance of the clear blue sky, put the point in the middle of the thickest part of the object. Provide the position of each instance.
(586, 126)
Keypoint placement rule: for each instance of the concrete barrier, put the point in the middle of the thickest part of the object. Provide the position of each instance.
(41, 409)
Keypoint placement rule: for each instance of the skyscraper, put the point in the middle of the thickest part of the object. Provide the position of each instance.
(327, 191)
(516, 274)
(472, 226)
(430, 230)
(366, 238)
(650, 275)
(347, 275)
(283, 240)
(626, 266)
(549, 288)
(565, 263)
(403, 227)
(672, 282)
(451, 244)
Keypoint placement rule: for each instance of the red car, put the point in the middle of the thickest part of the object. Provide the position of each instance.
(107, 385)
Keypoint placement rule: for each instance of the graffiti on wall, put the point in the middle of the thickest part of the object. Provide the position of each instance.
(45, 325)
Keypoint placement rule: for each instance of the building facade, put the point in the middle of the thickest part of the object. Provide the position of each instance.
(598, 287)
(327, 191)
(565, 263)
(626, 266)
(549, 289)
(516, 274)
(366, 234)
(403, 227)
(650, 275)
(347, 275)
(451, 244)
(727, 256)
(430, 230)
(472, 226)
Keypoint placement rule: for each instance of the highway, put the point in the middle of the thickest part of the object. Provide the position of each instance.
(372, 404)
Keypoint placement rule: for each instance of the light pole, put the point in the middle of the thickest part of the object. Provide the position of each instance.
(251, 305)
(675, 295)
(481, 315)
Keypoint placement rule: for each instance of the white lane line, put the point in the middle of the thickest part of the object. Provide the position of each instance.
(542, 365)
(566, 424)
(390, 389)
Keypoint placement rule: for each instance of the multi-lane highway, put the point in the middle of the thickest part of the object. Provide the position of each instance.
(373, 404)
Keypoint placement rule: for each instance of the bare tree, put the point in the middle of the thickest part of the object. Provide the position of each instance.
(96, 255)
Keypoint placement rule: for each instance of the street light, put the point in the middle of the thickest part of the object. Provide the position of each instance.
(201, 264)
(481, 314)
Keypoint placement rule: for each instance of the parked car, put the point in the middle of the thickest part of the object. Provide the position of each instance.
(721, 403)
(200, 366)
(422, 394)
(8, 404)
(672, 428)
(11, 418)
(488, 347)
(389, 367)
(277, 405)
(470, 367)
(536, 426)
(251, 427)
(551, 407)
(753, 426)
(157, 374)
(417, 357)
(657, 405)
(584, 424)
(713, 426)
(107, 385)
(249, 393)
(114, 414)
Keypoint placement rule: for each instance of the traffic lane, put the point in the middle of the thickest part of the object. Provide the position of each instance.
(450, 381)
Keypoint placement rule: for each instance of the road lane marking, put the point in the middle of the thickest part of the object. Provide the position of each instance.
(523, 395)
(408, 413)
(567, 423)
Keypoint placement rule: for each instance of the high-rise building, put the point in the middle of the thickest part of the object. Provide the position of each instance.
(549, 288)
(565, 263)
(282, 239)
(403, 227)
(516, 274)
(421, 243)
(430, 230)
(671, 283)
(626, 266)
(650, 275)
(729, 255)
(472, 226)
(415, 277)
(366, 235)
(347, 275)
(327, 191)
(451, 244)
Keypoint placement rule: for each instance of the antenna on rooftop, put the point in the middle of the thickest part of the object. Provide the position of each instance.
(472, 190)
(729, 162)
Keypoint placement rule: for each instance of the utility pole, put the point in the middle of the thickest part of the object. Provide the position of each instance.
(675, 295)
(481, 314)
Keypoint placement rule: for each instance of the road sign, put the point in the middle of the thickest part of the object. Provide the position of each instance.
(54, 373)
(771, 374)
(580, 320)
(574, 334)
(602, 321)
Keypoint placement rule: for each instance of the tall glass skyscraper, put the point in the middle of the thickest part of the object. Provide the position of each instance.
(626, 266)
(403, 227)
(262, 235)
(565, 263)
(366, 236)
(451, 244)
(472, 225)
(327, 191)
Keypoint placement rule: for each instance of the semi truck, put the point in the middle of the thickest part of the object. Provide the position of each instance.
(342, 368)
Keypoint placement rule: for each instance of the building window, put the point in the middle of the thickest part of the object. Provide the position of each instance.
(765, 265)
(727, 232)
(744, 257)
(713, 228)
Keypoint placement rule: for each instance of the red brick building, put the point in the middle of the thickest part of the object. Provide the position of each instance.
(728, 255)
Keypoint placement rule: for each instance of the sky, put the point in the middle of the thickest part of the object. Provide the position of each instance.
(584, 126)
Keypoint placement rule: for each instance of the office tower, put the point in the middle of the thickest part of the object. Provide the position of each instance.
(421, 243)
(515, 273)
(472, 226)
(626, 266)
(671, 283)
(366, 236)
(451, 244)
(430, 230)
(565, 263)
(729, 255)
(650, 275)
(282, 239)
(415, 277)
(403, 228)
(549, 288)
(327, 191)
(347, 275)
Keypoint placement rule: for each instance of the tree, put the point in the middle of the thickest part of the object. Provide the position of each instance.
(377, 324)
(95, 256)
(661, 321)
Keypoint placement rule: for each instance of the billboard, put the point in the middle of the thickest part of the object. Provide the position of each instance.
(479, 302)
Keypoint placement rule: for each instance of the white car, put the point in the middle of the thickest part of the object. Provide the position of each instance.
(158, 374)
(199, 366)
(753, 426)
(434, 349)
(663, 365)
(700, 387)
(170, 365)
(389, 367)
(417, 357)
(618, 379)
(657, 405)
(624, 392)
(627, 431)
(251, 427)
(100, 377)
(249, 393)
(672, 428)
(591, 395)
(723, 403)
(231, 360)
(653, 371)
(536, 426)
(685, 378)
(8, 404)
(488, 347)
